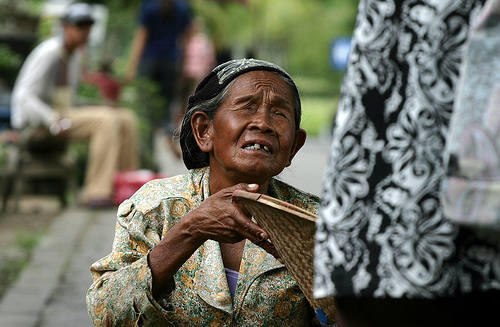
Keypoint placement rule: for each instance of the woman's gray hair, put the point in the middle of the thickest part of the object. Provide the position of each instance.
(190, 148)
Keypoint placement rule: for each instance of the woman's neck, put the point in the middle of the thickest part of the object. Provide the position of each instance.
(220, 181)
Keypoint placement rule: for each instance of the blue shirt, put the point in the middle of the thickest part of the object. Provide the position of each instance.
(164, 32)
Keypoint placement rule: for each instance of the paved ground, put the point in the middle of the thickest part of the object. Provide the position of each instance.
(51, 289)
(308, 166)
(93, 243)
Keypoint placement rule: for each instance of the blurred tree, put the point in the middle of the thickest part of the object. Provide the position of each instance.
(18, 26)
(294, 33)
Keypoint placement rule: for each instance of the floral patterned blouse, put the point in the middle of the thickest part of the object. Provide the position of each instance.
(266, 294)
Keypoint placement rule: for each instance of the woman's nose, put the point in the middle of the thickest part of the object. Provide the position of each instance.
(262, 120)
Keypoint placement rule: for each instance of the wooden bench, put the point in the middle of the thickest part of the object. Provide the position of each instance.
(40, 163)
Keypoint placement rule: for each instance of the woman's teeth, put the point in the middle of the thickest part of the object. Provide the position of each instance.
(256, 146)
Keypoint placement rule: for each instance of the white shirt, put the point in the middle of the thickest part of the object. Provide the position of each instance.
(36, 84)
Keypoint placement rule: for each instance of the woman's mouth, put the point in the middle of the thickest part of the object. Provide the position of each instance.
(257, 147)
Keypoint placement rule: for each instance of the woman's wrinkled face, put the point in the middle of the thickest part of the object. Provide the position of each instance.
(253, 131)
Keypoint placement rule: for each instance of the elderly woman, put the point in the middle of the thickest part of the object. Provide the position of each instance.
(186, 254)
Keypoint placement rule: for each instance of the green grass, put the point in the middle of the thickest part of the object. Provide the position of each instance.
(10, 268)
(317, 114)
(12, 265)
(27, 241)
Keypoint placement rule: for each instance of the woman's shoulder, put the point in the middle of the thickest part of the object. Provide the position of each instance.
(151, 195)
(295, 196)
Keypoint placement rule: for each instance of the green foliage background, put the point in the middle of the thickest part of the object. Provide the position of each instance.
(293, 33)
(296, 32)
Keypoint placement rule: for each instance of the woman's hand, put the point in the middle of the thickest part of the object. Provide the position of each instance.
(221, 219)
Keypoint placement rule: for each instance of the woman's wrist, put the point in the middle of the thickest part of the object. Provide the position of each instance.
(169, 255)
(189, 227)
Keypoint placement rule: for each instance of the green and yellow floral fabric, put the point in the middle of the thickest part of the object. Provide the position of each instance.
(266, 294)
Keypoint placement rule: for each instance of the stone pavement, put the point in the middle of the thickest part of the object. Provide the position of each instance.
(308, 166)
(51, 289)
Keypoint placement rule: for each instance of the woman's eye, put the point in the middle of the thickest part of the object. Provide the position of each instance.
(279, 113)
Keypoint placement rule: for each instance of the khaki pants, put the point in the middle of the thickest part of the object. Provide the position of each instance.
(112, 136)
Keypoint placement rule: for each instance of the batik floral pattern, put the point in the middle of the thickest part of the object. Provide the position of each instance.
(381, 231)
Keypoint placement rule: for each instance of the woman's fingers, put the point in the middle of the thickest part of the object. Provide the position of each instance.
(269, 248)
(247, 228)
(252, 231)
(252, 187)
(224, 220)
(244, 187)
(255, 233)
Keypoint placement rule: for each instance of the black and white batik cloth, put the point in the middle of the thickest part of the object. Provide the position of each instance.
(381, 231)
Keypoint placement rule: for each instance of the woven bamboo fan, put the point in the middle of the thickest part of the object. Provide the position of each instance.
(291, 230)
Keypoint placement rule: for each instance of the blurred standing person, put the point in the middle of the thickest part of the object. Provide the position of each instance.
(199, 57)
(43, 98)
(199, 60)
(384, 249)
(157, 50)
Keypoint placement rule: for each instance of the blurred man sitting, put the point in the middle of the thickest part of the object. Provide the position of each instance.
(43, 95)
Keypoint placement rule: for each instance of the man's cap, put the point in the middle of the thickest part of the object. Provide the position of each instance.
(78, 14)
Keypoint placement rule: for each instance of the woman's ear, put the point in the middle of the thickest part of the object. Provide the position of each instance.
(201, 126)
(300, 139)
